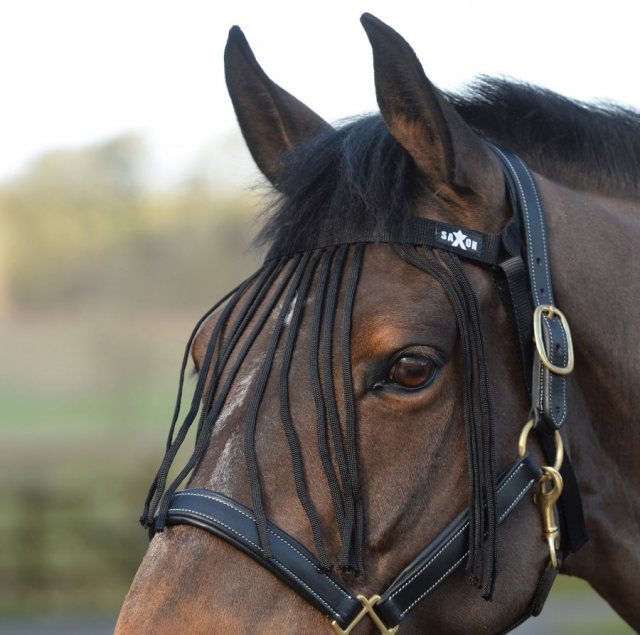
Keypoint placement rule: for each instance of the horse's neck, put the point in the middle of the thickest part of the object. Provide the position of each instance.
(595, 245)
(596, 263)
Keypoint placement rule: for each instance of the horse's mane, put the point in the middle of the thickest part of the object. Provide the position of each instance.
(588, 147)
(357, 174)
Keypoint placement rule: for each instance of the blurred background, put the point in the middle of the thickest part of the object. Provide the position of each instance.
(127, 206)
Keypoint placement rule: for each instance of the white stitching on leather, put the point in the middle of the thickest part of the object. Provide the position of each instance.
(549, 373)
(543, 235)
(217, 500)
(543, 231)
(219, 522)
(516, 500)
(435, 584)
(552, 377)
(432, 560)
(526, 218)
(446, 545)
(309, 561)
(541, 389)
(453, 566)
(511, 476)
(324, 602)
(565, 361)
(280, 538)
(245, 539)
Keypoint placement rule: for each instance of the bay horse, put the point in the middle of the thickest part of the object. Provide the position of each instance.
(364, 389)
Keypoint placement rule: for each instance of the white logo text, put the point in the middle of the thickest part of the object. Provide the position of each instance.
(459, 239)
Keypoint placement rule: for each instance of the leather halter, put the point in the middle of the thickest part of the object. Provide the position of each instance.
(520, 256)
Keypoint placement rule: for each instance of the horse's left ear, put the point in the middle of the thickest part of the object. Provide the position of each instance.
(442, 145)
(271, 119)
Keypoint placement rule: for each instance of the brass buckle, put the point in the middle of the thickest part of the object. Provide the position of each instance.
(548, 310)
(367, 609)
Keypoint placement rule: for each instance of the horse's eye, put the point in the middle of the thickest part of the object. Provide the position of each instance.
(412, 371)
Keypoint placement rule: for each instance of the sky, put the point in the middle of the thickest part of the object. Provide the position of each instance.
(75, 72)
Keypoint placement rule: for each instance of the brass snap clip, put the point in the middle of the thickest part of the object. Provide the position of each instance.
(551, 485)
(548, 310)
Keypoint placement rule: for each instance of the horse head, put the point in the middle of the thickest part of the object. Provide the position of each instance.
(362, 389)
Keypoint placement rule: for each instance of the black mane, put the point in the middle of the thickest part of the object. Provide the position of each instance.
(588, 147)
(358, 176)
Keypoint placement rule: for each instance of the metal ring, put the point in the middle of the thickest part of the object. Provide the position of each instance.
(550, 311)
(524, 436)
(557, 464)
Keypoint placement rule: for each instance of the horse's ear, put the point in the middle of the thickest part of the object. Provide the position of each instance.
(271, 119)
(418, 115)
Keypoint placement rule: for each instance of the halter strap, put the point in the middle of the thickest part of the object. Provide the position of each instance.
(554, 354)
(527, 290)
(295, 565)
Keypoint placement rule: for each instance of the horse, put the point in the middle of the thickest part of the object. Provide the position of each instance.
(364, 389)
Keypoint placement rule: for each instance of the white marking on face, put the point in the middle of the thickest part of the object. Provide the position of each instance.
(292, 306)
(223, 474)
(238, 393)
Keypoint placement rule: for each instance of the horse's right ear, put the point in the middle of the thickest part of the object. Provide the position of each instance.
(272, 121)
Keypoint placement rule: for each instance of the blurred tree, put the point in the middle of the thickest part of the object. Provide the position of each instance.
(83, 224)
(67, 209)
(106, 277)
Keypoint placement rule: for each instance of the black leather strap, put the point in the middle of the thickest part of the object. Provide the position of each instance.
(549, 389)
(540, 595)
(450, 548)
(513, 287)
(296, 566)
(291, 561)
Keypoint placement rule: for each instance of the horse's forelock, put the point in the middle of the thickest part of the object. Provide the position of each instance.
(345, 179)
